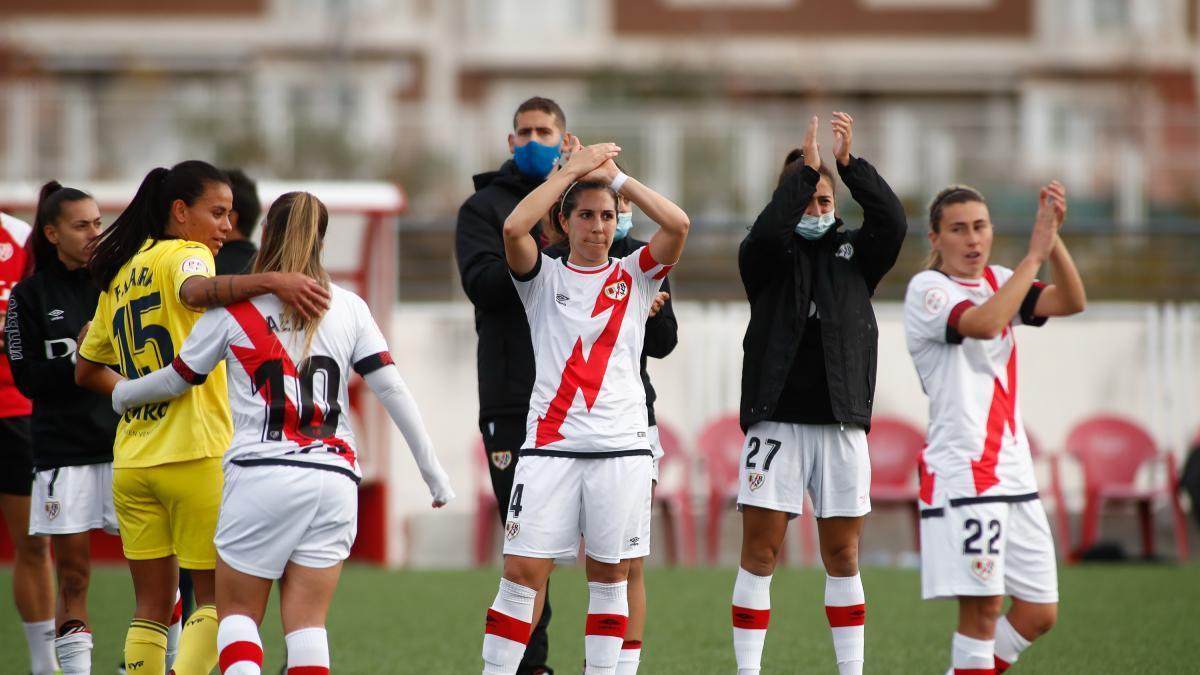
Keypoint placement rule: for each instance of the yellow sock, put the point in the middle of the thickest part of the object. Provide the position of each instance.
(146, 648)
(198, 643)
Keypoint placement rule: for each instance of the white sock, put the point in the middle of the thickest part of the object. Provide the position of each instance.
(846, 609)
(1009, 644)
(604, 633)
(74, 651)
(39, 635)
(751, 614)
(971, 654)
(630, 658)
(308, 648)
(174, 630)
(506, 631)
(239, 647)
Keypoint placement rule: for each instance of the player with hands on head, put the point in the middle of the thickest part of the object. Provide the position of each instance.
(984, 533)
(586, 461)
(808, 380)
(290, 507)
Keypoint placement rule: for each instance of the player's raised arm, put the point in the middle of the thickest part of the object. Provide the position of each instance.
(666, 244)
(1066, 296)
(519, 249)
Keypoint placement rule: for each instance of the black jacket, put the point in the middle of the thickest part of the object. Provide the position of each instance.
(662, 330)
(71, 425)
(778, 268)
(236, 257)
(504, 357)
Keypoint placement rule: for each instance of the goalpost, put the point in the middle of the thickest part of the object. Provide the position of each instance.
(360, 254)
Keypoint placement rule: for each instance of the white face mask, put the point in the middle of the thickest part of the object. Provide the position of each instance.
(815, 227)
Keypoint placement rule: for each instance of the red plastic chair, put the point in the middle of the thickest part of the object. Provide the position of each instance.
(676, 503)
(485, 507)
(1111, 450)
(720, 447)
(895, 446)
(1061, 517)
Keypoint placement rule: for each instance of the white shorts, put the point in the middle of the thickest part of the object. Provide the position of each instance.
(656, 451)
(272, 515)
(557, 499)
(73, 499)
(780, 461)
(988, 549)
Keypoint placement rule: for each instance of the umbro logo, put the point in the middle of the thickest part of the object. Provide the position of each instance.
(634, 541)
(561, 299)
(55, 314)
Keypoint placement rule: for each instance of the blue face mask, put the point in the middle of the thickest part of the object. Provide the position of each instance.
(624, 224)
(536, 160)
(815, 227)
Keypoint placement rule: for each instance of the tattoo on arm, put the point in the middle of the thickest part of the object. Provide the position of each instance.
(211, 295)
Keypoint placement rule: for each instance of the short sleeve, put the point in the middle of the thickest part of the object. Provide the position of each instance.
(528, 284)
(647, 272)
(190, 260)
(370, 347)
(97, 345)
(933, 306)
(205, 346)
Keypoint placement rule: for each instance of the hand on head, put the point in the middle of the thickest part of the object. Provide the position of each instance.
(588, 158)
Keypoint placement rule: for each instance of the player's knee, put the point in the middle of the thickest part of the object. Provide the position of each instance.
(841, 560)
(1043, 620)
(33, 550)
(760, 559)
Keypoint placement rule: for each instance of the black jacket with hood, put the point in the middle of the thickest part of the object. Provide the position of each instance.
(781, 272)
(504, 358)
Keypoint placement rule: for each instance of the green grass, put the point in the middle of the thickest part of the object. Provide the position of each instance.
(1113, 619)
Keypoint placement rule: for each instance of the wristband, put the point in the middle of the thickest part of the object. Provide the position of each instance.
(618, 182)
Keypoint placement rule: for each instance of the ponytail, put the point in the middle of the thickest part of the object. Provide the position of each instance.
(292, 236)
(148, 213)
(51, 199)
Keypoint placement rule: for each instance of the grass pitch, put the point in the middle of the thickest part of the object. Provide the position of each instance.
(1113, 619)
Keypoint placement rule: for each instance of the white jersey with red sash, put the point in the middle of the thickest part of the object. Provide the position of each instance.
(976, 444)
(14, 234)
(288, 407)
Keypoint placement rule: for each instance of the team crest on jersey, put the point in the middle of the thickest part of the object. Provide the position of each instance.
(6, 251)
(983, 567)
(194, 266)
(617, 290)
(511, 529)
(935, 300)
(846, 251)
(755, 480)
(502, 459)
(52, 507)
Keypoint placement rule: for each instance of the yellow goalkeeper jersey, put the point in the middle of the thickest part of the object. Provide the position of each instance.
(139, 324)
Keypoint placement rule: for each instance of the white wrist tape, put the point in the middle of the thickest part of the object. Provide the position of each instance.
(618, 182)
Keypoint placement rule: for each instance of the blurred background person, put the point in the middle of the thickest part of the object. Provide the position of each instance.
(236, 255)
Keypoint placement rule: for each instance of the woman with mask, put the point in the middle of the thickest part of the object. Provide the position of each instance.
(662, 334)
(154, 265)
(290, 507)
(984, 533)
(72, 428)
(808, 379)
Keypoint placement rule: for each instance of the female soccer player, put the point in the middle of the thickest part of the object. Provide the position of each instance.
(984, 533)
(808, 380)
(155, 267)
(586, 461)
(662, 334)
(33, 574)
(290, 508)
(72, 428)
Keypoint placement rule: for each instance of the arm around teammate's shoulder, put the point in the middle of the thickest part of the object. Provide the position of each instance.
(293, 288)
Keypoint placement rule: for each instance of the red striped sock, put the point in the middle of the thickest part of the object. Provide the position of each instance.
(239, 649)
(307, 652)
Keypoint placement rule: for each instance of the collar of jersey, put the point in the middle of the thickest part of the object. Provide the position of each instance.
(972, 283)
(587, 270)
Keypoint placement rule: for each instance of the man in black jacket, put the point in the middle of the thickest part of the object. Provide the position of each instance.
(505, 354)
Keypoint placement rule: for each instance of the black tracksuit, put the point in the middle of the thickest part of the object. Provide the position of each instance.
(662, 330)
(71, 425)
(504, 358)
(786, 276)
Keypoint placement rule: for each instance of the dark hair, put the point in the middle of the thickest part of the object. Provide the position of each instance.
(51, 199)
(147, 214)
(545, 105)
(569, 200)
(954, 194)
(245, 201)
(794, 163)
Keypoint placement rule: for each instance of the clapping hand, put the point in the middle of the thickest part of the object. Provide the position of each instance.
(843, 134)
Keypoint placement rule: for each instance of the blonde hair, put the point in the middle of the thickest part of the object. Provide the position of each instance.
(953, 194)
(292, 236)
